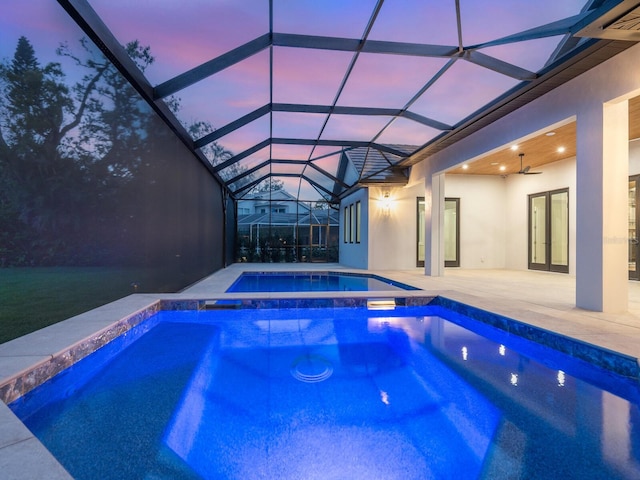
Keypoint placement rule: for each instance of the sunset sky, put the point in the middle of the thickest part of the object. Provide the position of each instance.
(184, 34)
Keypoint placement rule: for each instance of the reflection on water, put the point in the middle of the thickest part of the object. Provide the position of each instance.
(410, 395)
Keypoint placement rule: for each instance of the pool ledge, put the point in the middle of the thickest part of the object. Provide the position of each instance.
(616, 362)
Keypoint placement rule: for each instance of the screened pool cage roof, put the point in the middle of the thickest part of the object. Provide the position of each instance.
(327, 96)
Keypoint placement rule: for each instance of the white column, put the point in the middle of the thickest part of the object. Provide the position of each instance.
(434, 225)
(602, 172)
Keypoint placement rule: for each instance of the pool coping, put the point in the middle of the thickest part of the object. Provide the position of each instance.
(29, 361)
(394, 283)
(22, 369)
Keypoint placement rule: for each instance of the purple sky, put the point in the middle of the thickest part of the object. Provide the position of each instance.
(184, 34)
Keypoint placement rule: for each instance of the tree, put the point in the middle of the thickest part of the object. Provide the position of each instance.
(64, 150)
(37, 113)
(217, 154)
(114, 130)
(268, 185)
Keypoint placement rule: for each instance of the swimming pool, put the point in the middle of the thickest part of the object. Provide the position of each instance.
(414, 392)
(313, 281)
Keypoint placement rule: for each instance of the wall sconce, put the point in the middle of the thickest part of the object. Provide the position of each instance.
(386, 203)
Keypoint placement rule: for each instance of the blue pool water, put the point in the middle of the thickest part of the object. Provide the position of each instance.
(345, 393)
(313, 281)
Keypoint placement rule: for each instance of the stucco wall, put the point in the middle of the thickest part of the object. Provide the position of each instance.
(393, 235)
(354, 254)
(482, 219)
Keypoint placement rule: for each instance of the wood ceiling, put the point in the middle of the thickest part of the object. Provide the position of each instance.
(540, 150)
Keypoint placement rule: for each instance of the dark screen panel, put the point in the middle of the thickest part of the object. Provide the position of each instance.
(98, 197)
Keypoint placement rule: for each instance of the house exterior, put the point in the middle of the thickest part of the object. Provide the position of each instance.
(494, 210)
(274, 226)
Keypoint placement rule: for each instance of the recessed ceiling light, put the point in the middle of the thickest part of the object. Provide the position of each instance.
(514, 147)
(494, 163)
(502, 168)
(465, 166)
(550, 134)
(561, 149)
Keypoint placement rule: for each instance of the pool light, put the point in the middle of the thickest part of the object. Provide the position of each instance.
(381, 304)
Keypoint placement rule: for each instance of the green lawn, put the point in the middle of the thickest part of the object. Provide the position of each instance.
(32, 298)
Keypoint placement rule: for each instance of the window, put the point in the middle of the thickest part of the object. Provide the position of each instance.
(352, 217)
(358, 217)
(347, 224)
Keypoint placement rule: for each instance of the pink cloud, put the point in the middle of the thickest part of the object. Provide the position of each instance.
(417, 21)
(407, 132)
(454, 96)
(327, 17)
(387, 80)
(228, 95)
(297, 125)
(247, 136)
(182, 38)
(506, 18)
(291, 152)
(308, 76)
(350, 127)
(329, 164)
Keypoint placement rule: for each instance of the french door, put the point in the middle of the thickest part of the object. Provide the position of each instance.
(451, 232)
(634, 191)
(549, 231)
(420, 226)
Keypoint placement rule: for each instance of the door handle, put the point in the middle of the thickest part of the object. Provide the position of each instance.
(633, 241)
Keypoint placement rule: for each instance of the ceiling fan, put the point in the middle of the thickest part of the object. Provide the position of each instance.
(525, 170)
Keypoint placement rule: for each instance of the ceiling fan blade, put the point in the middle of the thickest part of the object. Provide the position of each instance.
(525, 170)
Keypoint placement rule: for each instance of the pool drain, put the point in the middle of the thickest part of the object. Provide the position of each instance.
(311, 368)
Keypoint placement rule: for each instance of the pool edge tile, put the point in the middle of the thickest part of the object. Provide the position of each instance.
(616, 362)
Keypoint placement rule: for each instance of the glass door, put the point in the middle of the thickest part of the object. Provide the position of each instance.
(634, 271)
(420, 212)
(538, 232)
(451, 232)
(549, 231)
